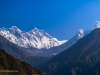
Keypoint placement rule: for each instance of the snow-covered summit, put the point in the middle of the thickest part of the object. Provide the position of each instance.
(35, 38)
(14, 28)
(96, 25)
(80, 33)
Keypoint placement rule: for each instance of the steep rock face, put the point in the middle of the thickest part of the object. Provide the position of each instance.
(11, 66)
(35, 38)
(78, 58)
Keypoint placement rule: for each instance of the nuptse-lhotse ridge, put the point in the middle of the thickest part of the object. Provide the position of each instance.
(38, 38)
(35, 38)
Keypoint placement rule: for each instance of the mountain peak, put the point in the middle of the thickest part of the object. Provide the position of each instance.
(97, 24)
(15, 28)
(80, 33)
(81, 30)
(35, 28)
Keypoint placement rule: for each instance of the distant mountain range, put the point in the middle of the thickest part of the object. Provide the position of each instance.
(39, 43)
(35, 38)
(77, 56)
(11, 66)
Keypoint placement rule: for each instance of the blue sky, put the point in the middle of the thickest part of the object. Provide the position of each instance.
(60, 18)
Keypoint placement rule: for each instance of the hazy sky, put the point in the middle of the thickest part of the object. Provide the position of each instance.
(60, 18)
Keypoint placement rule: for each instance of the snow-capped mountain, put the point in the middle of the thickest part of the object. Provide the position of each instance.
(81, 33)
(97, 25)
(35, 38)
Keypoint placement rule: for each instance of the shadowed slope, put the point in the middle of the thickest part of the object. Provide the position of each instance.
(7, 62)
(95, 70)
(78, 58)
(12, 49)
